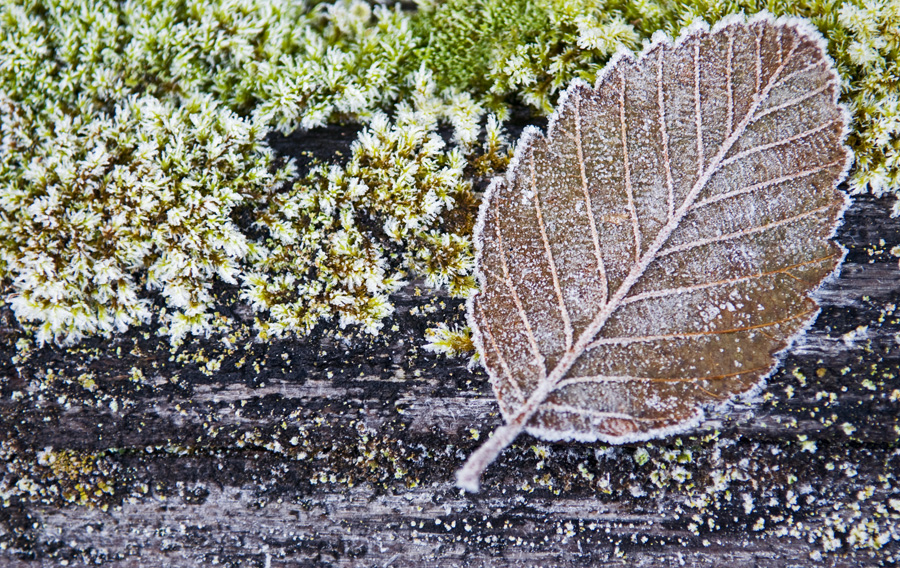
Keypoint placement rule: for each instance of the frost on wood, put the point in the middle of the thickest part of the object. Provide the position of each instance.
(657, 248)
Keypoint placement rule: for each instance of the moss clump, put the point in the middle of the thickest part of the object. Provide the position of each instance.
(343, 238)
(122, 156)
(521, 50)
(873, 49)
(289, 64)
(58, 477)
(97, 208)
(463, 37)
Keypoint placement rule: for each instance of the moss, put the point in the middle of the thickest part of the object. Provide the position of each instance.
(463, 37)
(130, 134)
(343, 238)
(109, 205)
(449, 341)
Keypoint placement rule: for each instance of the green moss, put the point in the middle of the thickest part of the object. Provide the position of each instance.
(129, 133)
(463, 37)
(342, 239)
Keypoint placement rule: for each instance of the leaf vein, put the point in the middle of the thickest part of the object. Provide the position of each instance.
(697, 113)
(729, 84)
(758, 65)
(664, 131)
(780, 142)
(686, 289)
(603, 379)
(601, 267)
(743, 233)
(503, 363)
(619, 341)
(628, 189)
(792, 102)
(796, 72)
(763, 185)
(564, 311)
(595, 413)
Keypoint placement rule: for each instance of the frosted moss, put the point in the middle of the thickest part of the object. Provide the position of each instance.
(449, 341)
(130, 133)
(346, 237)
(109, 205)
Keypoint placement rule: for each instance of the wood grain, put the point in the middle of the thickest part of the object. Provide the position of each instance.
(203, 470)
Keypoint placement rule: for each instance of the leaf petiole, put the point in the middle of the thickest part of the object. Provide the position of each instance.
(469, 476)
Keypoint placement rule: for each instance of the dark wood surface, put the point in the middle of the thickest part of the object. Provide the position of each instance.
(339, 449)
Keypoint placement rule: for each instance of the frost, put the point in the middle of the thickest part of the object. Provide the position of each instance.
(68, 68)
(707, 171)
(448, 341)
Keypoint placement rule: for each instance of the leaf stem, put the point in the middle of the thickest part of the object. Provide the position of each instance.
(469, 476)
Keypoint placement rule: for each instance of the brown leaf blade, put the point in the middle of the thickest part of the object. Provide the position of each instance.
(654, 252)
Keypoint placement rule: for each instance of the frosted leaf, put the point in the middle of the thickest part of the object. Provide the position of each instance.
(653, 252)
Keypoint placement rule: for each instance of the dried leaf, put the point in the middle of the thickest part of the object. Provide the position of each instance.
(654, 252)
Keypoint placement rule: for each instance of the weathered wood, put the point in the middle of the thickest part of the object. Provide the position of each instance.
(339, 450)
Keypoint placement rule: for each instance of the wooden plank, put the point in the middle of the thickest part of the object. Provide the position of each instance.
(339, 450)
